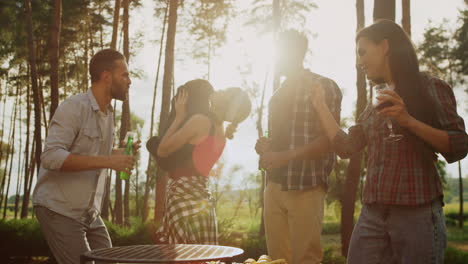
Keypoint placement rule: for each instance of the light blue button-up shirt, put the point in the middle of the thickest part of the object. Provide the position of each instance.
(74, 129)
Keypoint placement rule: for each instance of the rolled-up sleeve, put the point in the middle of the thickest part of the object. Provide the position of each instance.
(345, 145)
(449, 120)
(63, 129)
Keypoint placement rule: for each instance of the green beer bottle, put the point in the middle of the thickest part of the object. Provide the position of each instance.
(129, 151)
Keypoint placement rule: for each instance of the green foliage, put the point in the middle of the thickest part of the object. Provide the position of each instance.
(445, 53)
(461, 37)
(441, 169)
(138, 233)
(455, 256)
(456, 234)
(451, 192)
(293, 14)
(21, 238)
(253, 246)
(336, 181)
(331, 228)
(330, 256)
(24, 237)
(436, 50)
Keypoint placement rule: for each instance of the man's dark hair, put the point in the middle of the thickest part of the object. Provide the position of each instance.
(294, 40)
(103, 61)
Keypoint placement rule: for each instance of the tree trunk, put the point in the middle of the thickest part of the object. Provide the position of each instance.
(149, 174)
(460, 191)
(27, 179)
(54, 56)
(118, 200)
(20, 163)
(261, 232)
(125, 124)
(353, 172)
(10, 156)
(31, 176)
(37, 105)
(166, 100)
(106, 203)
(115, 24)
(406, 16)
(2, 156)
(42, 102)
(137, 193)
(384, 9)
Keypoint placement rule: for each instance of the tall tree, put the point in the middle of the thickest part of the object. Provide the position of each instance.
(161, 180)
(384, 9)
(20, 164)
(115, 24)
(113, 45)
(3, 150)
(406, 16)
(27, 179)
(208, 26)
(54, 55)
(125, 124)
(353, 171)
(149, 171)
(35, 88)
(10, 156)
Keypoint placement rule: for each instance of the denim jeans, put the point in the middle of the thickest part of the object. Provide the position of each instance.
(390, 234)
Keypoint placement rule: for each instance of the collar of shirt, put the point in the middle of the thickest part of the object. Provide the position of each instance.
(94, 103)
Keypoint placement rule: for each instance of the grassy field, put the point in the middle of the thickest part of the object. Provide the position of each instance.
(239, 220)
(239, 224)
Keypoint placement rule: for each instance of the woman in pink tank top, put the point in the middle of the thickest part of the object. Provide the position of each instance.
(195, 139)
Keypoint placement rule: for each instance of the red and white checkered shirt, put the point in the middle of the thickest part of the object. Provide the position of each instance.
(397, 173)
(292, 114)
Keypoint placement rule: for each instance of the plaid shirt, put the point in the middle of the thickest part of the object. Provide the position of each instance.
(292, 110)
(397, 173)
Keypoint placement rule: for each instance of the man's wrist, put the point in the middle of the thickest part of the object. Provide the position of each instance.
(105, 162)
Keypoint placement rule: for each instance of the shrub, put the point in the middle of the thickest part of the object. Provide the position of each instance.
(455, 256)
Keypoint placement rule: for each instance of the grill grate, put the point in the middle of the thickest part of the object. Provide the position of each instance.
(164, 253)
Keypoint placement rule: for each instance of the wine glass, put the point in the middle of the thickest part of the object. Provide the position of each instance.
(379, 105)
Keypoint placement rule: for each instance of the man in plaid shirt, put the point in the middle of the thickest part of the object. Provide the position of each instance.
(297, 157)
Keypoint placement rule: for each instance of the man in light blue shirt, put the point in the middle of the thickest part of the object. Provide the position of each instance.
(78, 151)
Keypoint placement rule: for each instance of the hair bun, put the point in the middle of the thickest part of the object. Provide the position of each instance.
(230, 130)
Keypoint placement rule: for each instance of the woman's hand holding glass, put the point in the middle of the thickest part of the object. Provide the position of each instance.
(389, 104)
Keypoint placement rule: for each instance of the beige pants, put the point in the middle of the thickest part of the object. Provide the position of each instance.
(67, 238)
(293, 224)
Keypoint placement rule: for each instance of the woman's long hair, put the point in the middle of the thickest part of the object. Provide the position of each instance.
(404, 67)
(198, 100)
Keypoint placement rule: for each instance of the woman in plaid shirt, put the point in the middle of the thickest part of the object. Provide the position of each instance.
(402, 219)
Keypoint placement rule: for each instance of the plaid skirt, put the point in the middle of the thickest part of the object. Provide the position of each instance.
(190, 216)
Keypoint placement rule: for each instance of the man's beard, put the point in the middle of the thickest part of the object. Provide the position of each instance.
(118, 91)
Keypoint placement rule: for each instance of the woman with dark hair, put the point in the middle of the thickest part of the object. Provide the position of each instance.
(401, 219)
(196, 136)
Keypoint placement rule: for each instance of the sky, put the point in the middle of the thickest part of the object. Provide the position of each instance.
(331, 46)
(333, 26)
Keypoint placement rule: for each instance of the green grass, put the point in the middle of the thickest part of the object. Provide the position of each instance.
(239, 225)
(455, 207)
